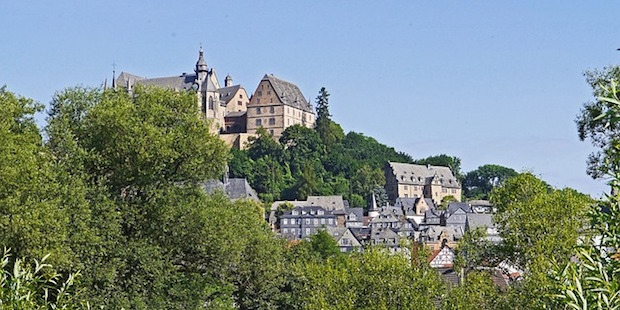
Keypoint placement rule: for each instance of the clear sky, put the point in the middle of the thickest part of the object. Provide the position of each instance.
(495, 82)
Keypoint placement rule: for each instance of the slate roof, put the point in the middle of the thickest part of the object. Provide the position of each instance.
(421, 174)
(432, 233)
(235, 188)
(359, 213)
(475, 220)
(228, 93)
(289, 93)
(236, 114)
(379, 235)
(328, 202)
(455, 206)
(126, 76)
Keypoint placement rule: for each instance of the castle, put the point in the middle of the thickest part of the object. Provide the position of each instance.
(275, 104)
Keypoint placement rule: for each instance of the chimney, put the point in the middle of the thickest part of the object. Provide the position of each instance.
(228, 81)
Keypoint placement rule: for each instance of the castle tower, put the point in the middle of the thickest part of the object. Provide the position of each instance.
(201, 66)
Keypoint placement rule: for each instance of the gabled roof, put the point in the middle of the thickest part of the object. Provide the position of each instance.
(475, 220)
(228, 93)
(359, 213)
(456, 206)
(288, 93)
(423, 174)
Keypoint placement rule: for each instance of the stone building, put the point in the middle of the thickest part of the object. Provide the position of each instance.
(410, 180)
(277, 104)
(215, 102)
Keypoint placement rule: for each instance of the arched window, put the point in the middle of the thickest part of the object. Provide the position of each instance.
(210, 103)
(204, 104)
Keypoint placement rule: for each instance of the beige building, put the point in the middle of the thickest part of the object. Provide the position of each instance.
(410, 180)
(215, 102)
(277, 104)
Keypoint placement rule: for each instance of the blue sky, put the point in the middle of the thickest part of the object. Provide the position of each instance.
(488, 81)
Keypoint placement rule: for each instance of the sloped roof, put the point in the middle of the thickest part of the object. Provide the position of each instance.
(235, 188)
(183, 81)
(421, 174)
(228, 93)
(328, 202)
(455, 206)
(475, 220)
(359, 213)
(288, 93)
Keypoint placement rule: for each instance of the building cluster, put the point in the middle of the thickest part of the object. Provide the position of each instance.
(414, 214)
(275, 104)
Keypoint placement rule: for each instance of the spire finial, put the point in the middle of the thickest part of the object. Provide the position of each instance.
(113, 74)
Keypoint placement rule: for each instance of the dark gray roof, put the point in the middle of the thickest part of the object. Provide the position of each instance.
(455, 206)
(289, 93)
(184, 82)
(423, 174)
(359, 213)
(430, 203)
(234, 188)
(475, 220)
(236, 114)
(227, 93)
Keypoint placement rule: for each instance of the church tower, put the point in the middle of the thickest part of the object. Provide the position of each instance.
(201, 67)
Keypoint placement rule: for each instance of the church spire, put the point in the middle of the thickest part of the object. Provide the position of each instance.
(201, 64)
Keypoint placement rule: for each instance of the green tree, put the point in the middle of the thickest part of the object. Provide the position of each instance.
(538, 225)
(324, 245)
(477, 292)
(373, 279)
(33, 218)
(479, 183)
(140, 157)
(329, 132)
(598, 123)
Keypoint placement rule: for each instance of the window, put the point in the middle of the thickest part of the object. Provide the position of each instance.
(271, 132)
(294, 212)
(293, 231)
(210, 103)
(285, 230)
(453, 191)
(272, 121)
(268, 92)
(406, 187)
(272, 110)
(239, 102)
(444, 190)
(330, 221)
(258, 122)
(307, 221)
(307, 231)
(406, 195)
(257, 110)
(316, 221)
(258, 100)
(240, 96)
(345, 241)
(322, 221)
(285, 221)
(260, 93)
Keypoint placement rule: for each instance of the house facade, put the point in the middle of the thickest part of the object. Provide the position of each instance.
(411, 180)
(277, 104)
